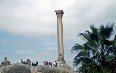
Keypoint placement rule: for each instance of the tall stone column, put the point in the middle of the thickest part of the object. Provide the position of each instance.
(59, 14)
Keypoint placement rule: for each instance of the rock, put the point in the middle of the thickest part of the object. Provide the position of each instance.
(45, 69)
(22, 68)
(15, 68)
(65, 67)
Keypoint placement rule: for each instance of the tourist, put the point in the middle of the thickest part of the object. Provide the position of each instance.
(47, 63)
(28, 62)
(6, 62)
(35, 64)
(55, 64)
(50, 64)
(23, 62)
(44, 62)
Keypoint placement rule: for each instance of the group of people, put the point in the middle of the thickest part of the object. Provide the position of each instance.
(28, 62)
(50, 64)
(46, 63)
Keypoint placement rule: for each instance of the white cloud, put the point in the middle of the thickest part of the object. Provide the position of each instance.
(62, 4)
(38, 17)
(22, 18)
(79, 16)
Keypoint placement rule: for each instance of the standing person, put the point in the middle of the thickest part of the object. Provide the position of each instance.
(47, 63)
(28, 62)
(21, 61)
(55, 64)
(6, 62)
(50, 64)
(44, 62)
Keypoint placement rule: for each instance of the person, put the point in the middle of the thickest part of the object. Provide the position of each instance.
(44, 62)
(55, 64)
(50, 64)
(28, 62)
(47, 63)
(35, 64)
(22, 62)
(6, 62)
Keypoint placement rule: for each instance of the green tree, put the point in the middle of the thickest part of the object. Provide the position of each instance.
(98, 53)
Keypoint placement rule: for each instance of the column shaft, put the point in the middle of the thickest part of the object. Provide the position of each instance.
(60, 39)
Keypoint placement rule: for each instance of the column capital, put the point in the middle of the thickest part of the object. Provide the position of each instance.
(59, 13)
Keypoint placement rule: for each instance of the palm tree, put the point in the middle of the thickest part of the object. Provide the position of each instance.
(98, 53)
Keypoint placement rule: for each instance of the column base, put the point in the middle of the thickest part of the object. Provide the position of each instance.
(63, 65)
(61, 61)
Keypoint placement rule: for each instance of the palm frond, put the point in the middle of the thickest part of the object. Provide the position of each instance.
(106, 31)
(94, 30)
(76, 47)
(82, 53)
(85, 36)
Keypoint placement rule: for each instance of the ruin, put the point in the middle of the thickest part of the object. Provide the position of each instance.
(59, 14)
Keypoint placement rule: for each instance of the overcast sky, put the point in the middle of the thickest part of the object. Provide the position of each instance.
(28, 28)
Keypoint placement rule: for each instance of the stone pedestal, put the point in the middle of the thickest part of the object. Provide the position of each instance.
(61, 62)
